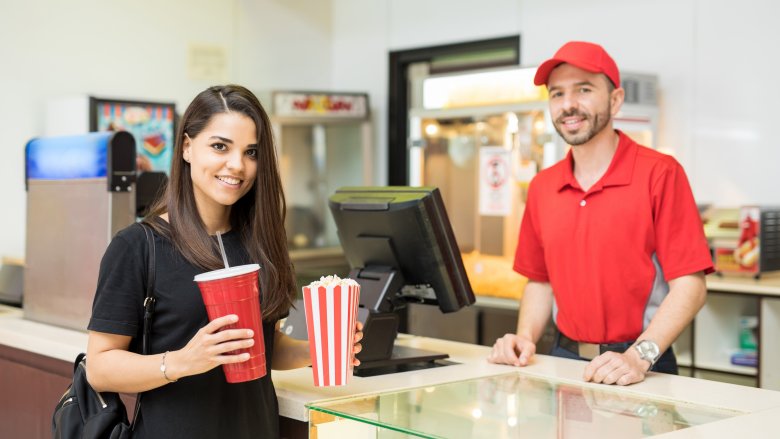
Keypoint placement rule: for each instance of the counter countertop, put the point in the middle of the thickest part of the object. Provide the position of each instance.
(39, 338)
(768, 285)
(295, 389)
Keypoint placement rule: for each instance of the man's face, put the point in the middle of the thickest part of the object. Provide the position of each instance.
(582, 103)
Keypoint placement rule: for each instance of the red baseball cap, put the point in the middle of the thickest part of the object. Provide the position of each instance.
(587, 56)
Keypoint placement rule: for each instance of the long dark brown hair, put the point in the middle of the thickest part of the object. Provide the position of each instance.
(258, 216)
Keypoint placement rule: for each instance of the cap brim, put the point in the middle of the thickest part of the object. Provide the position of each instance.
(543, 72)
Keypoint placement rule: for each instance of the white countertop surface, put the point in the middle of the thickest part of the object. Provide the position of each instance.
(51, 341)
(295, 388)
(768, 284)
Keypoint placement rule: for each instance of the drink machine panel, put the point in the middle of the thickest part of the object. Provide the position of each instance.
(79, 194)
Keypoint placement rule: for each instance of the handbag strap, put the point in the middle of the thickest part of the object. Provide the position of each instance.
(148, 308)
(150, 299)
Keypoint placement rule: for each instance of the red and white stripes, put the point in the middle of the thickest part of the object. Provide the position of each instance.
(330, 318)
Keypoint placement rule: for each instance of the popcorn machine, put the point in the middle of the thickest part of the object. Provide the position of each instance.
(324, 142)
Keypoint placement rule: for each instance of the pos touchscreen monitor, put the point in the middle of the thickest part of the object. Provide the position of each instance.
(401, 249)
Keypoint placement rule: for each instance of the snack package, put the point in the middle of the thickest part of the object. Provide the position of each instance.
(747, 252)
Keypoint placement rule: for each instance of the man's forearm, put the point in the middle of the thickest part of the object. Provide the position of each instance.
(535, 310)
(687, 295)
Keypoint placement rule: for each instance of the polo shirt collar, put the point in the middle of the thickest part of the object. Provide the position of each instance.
(620, 170)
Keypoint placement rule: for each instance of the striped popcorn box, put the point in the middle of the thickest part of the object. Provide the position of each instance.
(331, 309)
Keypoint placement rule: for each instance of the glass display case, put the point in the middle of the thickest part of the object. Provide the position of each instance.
(510, 405)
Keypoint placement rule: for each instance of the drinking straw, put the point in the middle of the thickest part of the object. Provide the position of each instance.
(222, 249)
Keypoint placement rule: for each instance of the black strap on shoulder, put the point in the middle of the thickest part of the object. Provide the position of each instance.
(148, 307)
(150, 299)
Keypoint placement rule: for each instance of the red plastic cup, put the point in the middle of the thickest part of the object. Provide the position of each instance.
(236, 290)
(330, 319)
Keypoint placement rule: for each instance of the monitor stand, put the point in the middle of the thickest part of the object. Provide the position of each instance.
(403, 359)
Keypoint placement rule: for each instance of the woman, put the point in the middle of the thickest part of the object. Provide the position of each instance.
(224, 178)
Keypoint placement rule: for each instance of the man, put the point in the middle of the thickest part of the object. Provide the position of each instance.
(611, 240)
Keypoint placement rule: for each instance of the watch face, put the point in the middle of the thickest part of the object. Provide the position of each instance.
(648, 350)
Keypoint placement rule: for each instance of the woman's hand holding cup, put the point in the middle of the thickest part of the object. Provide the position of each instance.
(209, 348)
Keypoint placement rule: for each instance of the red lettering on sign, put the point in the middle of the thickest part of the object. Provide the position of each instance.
(303, 104)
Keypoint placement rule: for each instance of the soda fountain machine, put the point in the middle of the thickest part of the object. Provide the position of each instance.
(80, 192)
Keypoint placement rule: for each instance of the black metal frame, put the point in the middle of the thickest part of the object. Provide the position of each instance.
(95, 101)
(398, 96)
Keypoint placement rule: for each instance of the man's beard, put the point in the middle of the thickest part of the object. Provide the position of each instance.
(597, 123)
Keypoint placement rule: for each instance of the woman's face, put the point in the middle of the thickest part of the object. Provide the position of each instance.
(223, 162)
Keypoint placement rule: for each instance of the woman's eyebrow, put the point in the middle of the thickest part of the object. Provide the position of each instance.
(224, 139)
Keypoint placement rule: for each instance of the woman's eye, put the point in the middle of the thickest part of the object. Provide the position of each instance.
(219, 146)
(252, 153)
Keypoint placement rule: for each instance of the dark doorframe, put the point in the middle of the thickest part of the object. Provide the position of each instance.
(398, 96)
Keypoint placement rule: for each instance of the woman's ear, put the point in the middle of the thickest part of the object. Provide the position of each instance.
(186, 148)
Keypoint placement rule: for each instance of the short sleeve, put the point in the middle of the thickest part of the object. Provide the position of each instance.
(529, 256)
(118, 304)
(681, 246)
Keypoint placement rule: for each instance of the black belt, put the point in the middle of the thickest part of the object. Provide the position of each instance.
(590, 351)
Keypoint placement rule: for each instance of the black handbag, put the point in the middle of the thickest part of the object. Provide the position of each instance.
(84, 413)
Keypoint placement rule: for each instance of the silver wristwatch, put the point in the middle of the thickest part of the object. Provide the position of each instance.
(649, 351)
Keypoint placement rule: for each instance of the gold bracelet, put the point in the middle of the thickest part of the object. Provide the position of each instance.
(163, 368)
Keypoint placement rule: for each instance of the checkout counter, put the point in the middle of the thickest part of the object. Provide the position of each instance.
(549, 396)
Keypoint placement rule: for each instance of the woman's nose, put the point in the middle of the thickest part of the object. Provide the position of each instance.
(235, 161)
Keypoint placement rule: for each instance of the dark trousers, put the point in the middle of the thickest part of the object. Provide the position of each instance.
(667, 363)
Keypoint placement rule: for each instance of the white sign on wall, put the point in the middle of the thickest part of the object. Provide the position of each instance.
(331, 105)
(207, 62)
(494, 180)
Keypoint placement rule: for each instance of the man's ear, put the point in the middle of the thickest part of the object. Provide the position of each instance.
(616, 98)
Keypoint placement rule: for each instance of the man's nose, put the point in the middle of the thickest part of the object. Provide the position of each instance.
(569, 102)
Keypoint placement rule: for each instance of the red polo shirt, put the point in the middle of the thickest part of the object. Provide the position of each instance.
(598, 249)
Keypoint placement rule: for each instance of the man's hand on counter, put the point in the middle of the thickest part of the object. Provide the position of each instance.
(616, 368)
(512, 349)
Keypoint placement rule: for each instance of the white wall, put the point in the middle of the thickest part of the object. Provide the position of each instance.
(415, 23)
(716, 124)
(715, 75)
(735, 101)
(360, 61)
(284, 44)
(138, 50)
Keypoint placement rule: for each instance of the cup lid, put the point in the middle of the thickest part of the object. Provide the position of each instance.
(226, 272)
